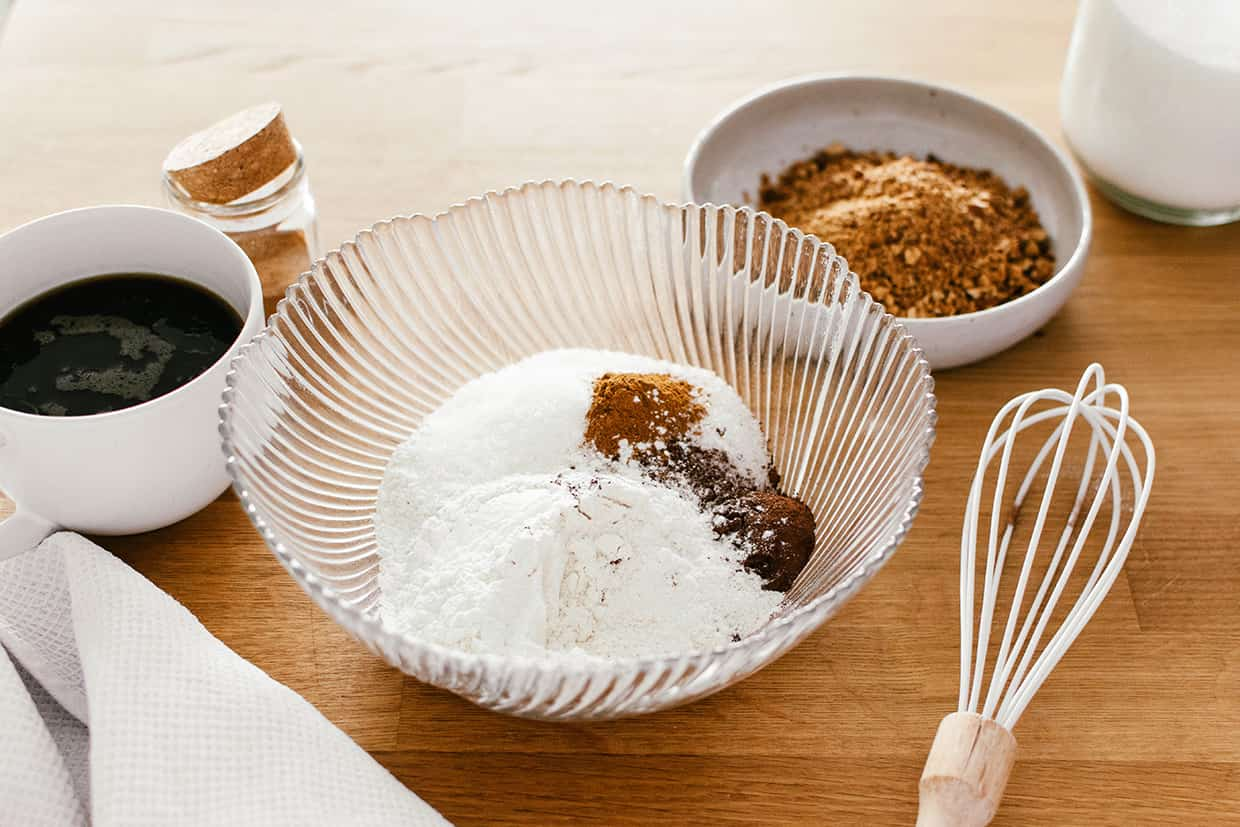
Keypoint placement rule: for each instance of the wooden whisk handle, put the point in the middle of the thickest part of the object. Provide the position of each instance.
(966, 772)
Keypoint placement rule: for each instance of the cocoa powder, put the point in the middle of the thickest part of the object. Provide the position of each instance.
(926, 238)
(778, 531)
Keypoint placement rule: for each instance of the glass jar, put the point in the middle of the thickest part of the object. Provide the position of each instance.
(1150, 104)
(276, 225)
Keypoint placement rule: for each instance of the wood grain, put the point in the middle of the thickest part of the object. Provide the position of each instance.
(405, 108)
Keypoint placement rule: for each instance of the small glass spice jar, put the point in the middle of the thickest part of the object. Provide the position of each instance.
(247, 177)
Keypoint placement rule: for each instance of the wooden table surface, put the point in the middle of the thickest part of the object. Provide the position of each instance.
(405, 108)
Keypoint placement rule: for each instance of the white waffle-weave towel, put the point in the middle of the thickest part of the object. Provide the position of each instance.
(118, 708)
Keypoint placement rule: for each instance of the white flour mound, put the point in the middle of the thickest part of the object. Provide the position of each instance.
(499, 532)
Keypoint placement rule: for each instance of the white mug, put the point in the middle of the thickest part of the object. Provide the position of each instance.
(139, 468)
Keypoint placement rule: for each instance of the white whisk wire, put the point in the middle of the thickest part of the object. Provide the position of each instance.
(974, 749)
(1003, 663)
(1018, 670)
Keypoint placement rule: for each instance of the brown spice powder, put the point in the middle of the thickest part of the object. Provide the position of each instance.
(926, 238)
(279, 256)
(640, 408)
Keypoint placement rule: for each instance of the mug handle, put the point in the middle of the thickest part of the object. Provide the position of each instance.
(22, 531)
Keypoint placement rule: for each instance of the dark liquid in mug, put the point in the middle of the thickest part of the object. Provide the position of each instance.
(110, 342)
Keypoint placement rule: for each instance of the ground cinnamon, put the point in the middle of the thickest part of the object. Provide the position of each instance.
(279, 256)
(925, 237)
(640, 410)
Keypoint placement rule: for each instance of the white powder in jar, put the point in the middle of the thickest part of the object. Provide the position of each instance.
(1151, 99)
(499, 532)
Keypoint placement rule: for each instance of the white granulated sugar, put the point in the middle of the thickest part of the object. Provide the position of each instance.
(500, 532)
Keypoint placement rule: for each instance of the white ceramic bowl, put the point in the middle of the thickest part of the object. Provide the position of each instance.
(791, 120)
(381, 332)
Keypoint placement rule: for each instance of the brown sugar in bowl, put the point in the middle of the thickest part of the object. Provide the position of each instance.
(777, 126)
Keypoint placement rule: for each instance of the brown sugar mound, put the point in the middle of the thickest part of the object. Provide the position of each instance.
(640, 409)
(925, 237)
(777, 530)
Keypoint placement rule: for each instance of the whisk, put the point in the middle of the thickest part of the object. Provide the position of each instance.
(974, 749)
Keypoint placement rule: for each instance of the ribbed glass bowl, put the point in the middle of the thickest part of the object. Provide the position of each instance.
(382, 331)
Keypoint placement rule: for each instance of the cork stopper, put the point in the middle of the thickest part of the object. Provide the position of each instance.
(233, 157)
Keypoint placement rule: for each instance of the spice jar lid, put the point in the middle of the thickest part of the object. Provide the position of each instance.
(234, 157)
